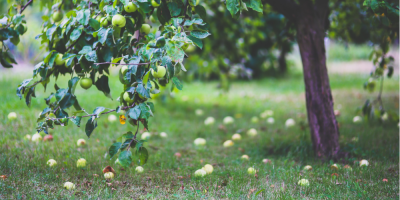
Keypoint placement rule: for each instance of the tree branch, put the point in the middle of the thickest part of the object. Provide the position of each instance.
(105, 63)
(134, 137)
(24, 7)
(90, 115)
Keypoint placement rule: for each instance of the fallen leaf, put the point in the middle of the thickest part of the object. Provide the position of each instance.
(4, 177)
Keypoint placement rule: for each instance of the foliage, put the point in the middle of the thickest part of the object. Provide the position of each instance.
(91, 38)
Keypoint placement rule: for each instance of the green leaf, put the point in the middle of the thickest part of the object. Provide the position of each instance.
(67, 101)
(143, 155)
(142, 91)
(85, 50)
(134, 112)
(94, 24)
(196, 41)
(90, 126)
(76, 34)
(125, 158)
(114, 148)
(258, 192)
(102, 35)
(200, 34)
(98, 110)
(76, 121)
(177, 83)
(256, 5)
(145, 111)
(28, 96)
(174, 51)
(72, 84)
(102, 85)
(232, 6)
(22, 86)
(174, 8)
(146, 78)
(83, 16)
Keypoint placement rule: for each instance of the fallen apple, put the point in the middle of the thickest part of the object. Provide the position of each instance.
(200, 173)
(307, 168)
(251, 171)
(236, 137)
(108, 175)
(252, 132)
(48, 138)
(364, 163)
(228, 120)
(209, 121)
(270, 120)
(12, 116)
(254, 120)
(334, 167)
(303, 182)
(51, 163)
(36, 137)
(112, 118)
(28, 137)
(228, 143)
(81, 162)
(357, 119)
(69, 186)
(208, 168)
(81, 142)
(289, 123)
(139, 169)
(199, 112)
(146, 136)
(245, 157)
(199, 142)
(163, 134)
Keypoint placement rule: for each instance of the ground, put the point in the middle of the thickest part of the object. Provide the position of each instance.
(168, 177)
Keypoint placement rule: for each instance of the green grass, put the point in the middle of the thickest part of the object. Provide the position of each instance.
(290, 149)
(340, 52)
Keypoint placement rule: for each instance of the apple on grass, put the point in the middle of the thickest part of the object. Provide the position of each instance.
(163, 134)
(289, 123)
(109, 175)
(146, 136)
(81, 162)
(12, 116)
(178, 155)
(81, 142)
(51, 163)
(208, 168)
(364, 163)
(118, 21)
(334, 167)
(307, 168)
(270, 120)
(160, 73)
(139, 169)
(254, 120)
(228, 120)
(28, 137)
(252, 132)
(209, 121)
(199, 112)
(303, 182)
(130, 8)
(36, 137)
(69, 186)
(48, 138)
(112, 118)
(245, 157)
(228, 143)
(236, 137)
(199, 142)
(86, 83)
(251, 171)
(200, 173)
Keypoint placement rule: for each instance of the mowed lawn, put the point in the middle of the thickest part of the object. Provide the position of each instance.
(168, 177)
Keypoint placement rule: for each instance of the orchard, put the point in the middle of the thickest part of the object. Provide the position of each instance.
(188, 99)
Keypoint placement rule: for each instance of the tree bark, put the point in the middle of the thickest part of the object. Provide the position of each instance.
(282, 61)
(311, 22)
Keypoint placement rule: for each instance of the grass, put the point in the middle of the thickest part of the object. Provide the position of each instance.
(166, 177)
(340, 52)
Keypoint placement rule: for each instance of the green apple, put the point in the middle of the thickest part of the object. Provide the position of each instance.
(140, 96)
(152, 19)
(191, 3)
(127, 98)
(122, 73)
(132, 20)
(118, 21)
(59, 61)
(161, 71)
(86, 83)
(145, 29)
(99, 18)
(109, 18)
(57, 16)
(185, 46)
(104, 22)
(25, 28)
(12, 116)
(130, 8)
(190, 48)
(154, 3)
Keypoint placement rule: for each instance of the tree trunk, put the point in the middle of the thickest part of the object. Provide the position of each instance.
(282, 61)
(324, 129)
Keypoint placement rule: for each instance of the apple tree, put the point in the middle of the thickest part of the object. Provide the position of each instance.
(91, 36)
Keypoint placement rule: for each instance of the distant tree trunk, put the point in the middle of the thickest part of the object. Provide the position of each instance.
(321, 117)
(282, 61)
(311, 21)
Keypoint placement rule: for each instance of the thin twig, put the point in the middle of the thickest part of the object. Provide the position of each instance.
(24, 7)
(184, 12)
(134, 137)
(73, 117)
(104, 63)
(73, 44)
